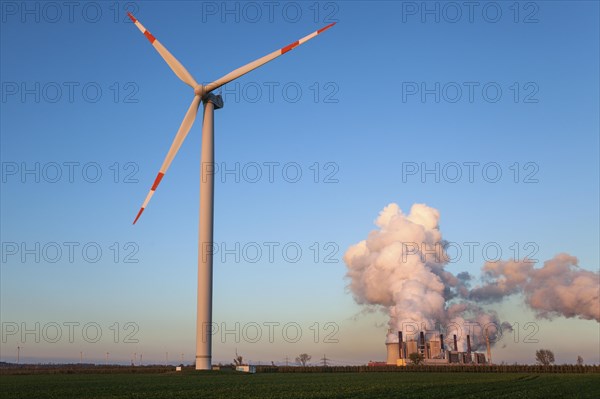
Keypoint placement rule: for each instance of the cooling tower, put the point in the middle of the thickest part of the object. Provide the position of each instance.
(392, 353)
(435, 349)
(411, 347)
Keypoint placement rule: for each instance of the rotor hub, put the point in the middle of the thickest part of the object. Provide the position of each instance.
(199, 90)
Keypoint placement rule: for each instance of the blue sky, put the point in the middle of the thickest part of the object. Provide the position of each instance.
(348, 104)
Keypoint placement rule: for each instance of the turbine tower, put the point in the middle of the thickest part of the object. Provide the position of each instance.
(210, 102)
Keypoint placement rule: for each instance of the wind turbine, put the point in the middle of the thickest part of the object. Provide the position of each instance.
(205, 238)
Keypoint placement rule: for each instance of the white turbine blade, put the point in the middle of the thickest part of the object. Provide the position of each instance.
(175, 65)
(185, 127)
(261, 61)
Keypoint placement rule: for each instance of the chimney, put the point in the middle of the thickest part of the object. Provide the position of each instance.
(422, 343)
(442, 342)
(489, 351)
(468, 344)
(400, 345)
(455, 344)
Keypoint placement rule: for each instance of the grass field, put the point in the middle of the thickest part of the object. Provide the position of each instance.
(313, 385)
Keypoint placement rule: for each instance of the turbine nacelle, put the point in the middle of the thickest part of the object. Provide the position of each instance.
(215, 99)
(207, 96)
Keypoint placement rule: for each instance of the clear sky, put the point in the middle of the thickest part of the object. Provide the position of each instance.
(315, 143)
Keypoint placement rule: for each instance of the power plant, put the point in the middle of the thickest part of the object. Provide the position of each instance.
(433, 351)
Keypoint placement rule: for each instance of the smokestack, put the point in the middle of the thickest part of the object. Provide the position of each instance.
(489, 351)
(455, 344)
(468, 344)
(400, 345)
(422, 343)
(442, 342)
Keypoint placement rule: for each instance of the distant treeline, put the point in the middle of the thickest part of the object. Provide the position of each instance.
(23, 369)
(80, 369)
(567, 368)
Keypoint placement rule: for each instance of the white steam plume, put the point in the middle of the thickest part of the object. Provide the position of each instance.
(559, 288)
(400, 266)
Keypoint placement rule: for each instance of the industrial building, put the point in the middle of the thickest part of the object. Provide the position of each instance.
(433, 350)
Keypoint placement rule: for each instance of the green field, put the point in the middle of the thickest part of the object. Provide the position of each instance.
(310, 385)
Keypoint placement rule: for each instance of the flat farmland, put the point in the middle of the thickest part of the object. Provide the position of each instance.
(300, 385)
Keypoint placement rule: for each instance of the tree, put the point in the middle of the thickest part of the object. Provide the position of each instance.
(303, 359)
(579, 361)
(416, 358)
(544, 357)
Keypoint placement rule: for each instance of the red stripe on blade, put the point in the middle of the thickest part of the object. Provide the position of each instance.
(157, 180)
(138, 215)
(149, 36)
(131, 17)
(325, 28)
(289, 47)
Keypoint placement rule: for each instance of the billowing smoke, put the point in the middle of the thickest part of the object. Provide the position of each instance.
(559, 288)
(400, 266)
